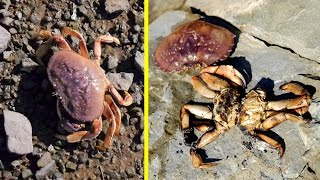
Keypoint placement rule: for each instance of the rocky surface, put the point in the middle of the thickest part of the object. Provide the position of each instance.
(24, 88)
(18, 130)
(5, 37)
(241, 155)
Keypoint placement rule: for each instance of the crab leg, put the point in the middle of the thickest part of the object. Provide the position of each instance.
(115, 112)
(82, 43)
(62, 43)
(124, 101)
(86, 135)
(275, 120)
(197, 160)
(272, 142)
(97, 46)
(109, 114)
(205, 139)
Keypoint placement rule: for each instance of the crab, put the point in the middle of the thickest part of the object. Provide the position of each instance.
(84, 93)
(194, 44)
(223, 85)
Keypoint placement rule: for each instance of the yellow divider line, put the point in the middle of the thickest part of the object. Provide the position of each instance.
(146, 91)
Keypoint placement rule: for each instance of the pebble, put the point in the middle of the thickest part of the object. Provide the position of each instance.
(26, 173)
(44, 160)
(45, 171)
(139, 60)
(113, 61)
(19, 132)
(71, 166)
(74, 12)
(137, 28)
(7, 175)
(16, 172)
(61, 166)
(83, 158)
(121, 81)
(28, 65)
(116, 6)
(51, 149)
(6, 55)
(7, 21)
(84, 144)
(13, 31)
(1, 165)
(15, 163)
(4, 39)
(35, 18)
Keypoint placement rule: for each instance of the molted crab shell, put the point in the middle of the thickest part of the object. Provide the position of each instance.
(197, 43)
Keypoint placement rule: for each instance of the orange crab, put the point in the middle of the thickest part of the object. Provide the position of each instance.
(83, 89)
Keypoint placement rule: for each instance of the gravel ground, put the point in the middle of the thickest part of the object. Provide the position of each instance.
(24, 88)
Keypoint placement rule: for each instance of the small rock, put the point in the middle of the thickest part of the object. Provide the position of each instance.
(35, 18)
(16, 172)
(114, 159)
(113, 61)
(139, 60)
(84, 144)
(116, 6)
(4, 39)
(26, 173)
(137, 28)
(6, 55)
(61, 166)
(45, 171)
(71, 166)
(44, 160)
(121, 81)
(15, 163)
(1, 165)
(74, 12)
(7, 21)
(7, 175)
(51, 149)
(13, 31)
(83, 158)
(19, 132)
(28, 65)
(74, 158)
(83, 10)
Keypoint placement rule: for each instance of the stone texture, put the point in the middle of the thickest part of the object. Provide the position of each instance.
(242, 156)
(4, 39)
(121, 81)
(44, 160)
(287, 23)
(159, 7)
(116, 6)
(19, 132)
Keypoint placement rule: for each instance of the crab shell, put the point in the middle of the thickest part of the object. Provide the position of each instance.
(79, 83)
(197, 43)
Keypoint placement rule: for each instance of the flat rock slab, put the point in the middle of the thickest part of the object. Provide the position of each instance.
(5, 37)
(121, 81)
(19, 132)
(242, 156)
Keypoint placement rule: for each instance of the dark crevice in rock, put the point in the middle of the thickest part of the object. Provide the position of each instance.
(285, 48)
(311, 76)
